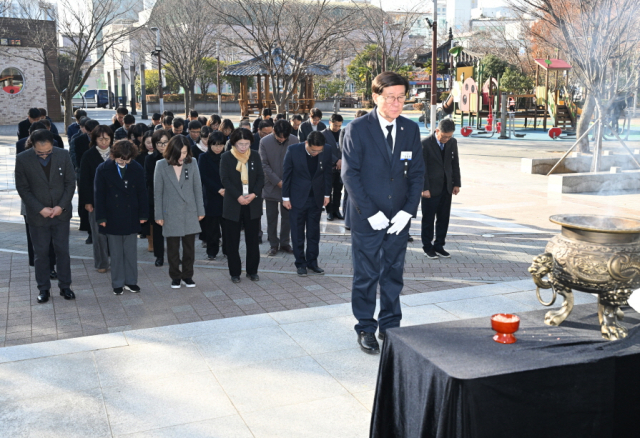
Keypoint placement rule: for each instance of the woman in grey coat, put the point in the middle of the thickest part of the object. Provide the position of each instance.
(179, 207)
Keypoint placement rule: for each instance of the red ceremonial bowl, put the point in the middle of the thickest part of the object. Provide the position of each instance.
(505, 329)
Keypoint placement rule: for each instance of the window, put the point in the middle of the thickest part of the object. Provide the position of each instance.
(11, 80)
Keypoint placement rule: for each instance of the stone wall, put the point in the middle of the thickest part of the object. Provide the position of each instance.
(14, 107)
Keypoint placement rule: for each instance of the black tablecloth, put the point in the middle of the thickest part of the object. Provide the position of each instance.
(451, 380)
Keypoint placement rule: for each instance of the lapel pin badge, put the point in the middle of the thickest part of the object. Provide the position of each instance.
(402, 128)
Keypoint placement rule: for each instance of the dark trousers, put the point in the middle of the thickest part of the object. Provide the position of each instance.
(52, 253)
(203, 234)
(56, 233)
(378, 258)
(188, 256)
(306, 220)
(336, 193)
(233, 229)
(124, 259)
(438, 209)
(275, 208)
(212, 227)
(158, 238)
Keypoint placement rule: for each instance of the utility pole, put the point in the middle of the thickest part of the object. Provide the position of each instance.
(384, 51)
(109, 90)
(434, 66)
(116, 102)
(143, 93)
(158, 53)
(218, 78)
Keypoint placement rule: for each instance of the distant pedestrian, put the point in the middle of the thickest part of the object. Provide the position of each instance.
(213, 193)
(306, 188)
(332, 136)
(47, 203)
(121, 205)
(99, 152)
(243, 179)
(179, 207)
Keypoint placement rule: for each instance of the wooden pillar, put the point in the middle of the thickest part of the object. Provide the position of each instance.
(258, 81)
(312, 102)
(266, 87)
(244, 96)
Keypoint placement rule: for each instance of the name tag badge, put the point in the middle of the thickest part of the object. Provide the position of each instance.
(406, 155)
(245, 189)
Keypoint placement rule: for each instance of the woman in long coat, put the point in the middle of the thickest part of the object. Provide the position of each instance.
(243, 179)
(179, 207)
(209, 165)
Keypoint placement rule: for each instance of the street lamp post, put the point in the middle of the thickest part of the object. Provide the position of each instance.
(122, 83)
(157, 52)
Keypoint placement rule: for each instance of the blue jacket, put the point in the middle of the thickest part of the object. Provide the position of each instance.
(209, 168)
(296, 180)
(374, 182)
(121, 205)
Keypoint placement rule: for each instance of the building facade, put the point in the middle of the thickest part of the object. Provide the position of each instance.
(25, 82)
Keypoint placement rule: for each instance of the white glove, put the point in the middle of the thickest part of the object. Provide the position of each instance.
(379, 221)
(399, 221)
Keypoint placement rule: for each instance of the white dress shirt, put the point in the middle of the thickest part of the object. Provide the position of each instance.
(383, 125)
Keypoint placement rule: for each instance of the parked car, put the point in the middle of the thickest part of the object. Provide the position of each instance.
(97, 98)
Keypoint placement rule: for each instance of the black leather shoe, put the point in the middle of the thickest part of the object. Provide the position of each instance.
(368, 343)
(67, 294)
(315, 270)
(53, 274)
(347, 228)
(410, 239)
(302, 271)
(337, 215)
(287, 249)
(89, 240)
(43, 297)
(330, 216)
(253, 277)
(382, 335)
(159, 262)
(235, 279)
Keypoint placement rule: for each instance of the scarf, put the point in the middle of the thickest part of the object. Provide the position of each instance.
(242, 163)
(104, 154)
(201, 146)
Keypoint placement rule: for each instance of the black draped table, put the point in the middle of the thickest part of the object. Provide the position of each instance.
(452, 380)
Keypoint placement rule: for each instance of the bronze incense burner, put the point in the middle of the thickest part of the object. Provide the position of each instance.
(593, 254)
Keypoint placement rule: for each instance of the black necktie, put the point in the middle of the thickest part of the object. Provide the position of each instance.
(389, 140)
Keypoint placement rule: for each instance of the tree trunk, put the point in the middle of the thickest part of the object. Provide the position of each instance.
(583, 124)
(67, 98)
(187, 101)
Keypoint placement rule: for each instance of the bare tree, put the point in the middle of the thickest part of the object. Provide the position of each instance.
(291, 34)
(5, 8)
(89, 27)
(601, 41)
(389, 30)
(188, 38)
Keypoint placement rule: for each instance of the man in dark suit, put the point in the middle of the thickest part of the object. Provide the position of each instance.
(441, 181)
(122, 132)
(266, 115)
(332, 135)
(265, 128)
(296, 121)
(45, 181)
(311, 125)
(384, 175)
(44, 116)
(74, 128)
(23, 127)
(48, 125)
(306, 188)
(120, 113)
(345, 199)
(21, 144)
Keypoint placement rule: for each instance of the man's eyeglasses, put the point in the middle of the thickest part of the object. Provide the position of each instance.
(44, 154)
(392, 99)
